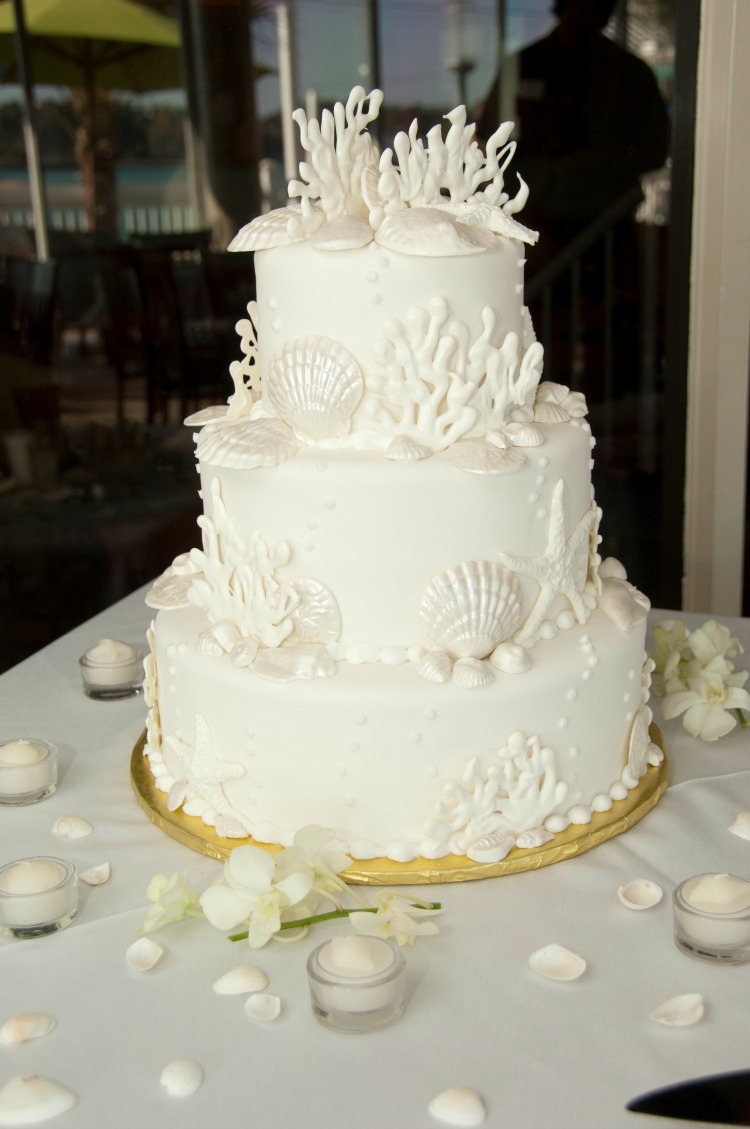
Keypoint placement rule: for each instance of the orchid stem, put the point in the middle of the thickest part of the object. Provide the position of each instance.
(332, 915)
(744, 723)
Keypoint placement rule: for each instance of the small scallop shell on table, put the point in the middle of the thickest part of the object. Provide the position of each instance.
(680, 1011)
(72, 827)
(315, 384)
(182, 1077)
(640, 894)
(144, 954)
(263, 1007)
(240, 980)
(459, 1106)
(555, 962)
(471, 608)
(28, 1025)
(29, 1099)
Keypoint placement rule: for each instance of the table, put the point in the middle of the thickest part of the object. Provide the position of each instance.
(542, 1054)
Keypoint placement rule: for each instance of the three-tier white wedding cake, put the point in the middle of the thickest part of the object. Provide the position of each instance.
(398, 625)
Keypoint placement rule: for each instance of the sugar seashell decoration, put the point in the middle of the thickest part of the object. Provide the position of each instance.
(263, 1007)
(241, 979)
(214, 414)
(640, 894)
(182, 1077)
(170, 590)
(72, 827)
(471, 674)
(402, 448)
(435, 666)
(471, 608)
(459, 1106)
(315, 384)
(511, 658)
(29, 1099)
(741, 825)
(96, 875)
(28, 1025)
(557, 963)
(316, 617)
(680, 1011)
(478, 457)
(430, 231)
(346, 233)
(246, 444)
(144, 954)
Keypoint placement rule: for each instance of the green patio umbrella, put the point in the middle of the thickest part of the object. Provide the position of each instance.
(89, 45)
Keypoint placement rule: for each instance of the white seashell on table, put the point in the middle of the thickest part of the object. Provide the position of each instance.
(557, 963)
(680, 1011)
(72, 827)
(263, 1007)
(460, 1106)
(641, 893)
(144, 954)
(96, 875)
(241, 979)
(741, 825)
(27, 1025)
(182, 1077)
(29, 1099)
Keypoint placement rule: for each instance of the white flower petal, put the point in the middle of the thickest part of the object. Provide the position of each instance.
(224, 907)
(250, 868)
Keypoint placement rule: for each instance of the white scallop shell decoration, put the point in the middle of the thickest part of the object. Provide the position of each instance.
(144, 954)
(28, 1025)
(277, 228)
(265, 1008)
(431, 232)
(471, 674)
(435, 666)
(403, 448)
(491, 847)
(524, 434)
(741, 825)
(241, 980)
(72, 827)
(533, 838)
(314, 384)
(478, 457)
(345, 233)
(316, 618)
(557, 963)
(471, 608)
(182, 1077)
(246, 444)
(622, 602)
(680, 1011)
(244, 652)
(459, 1106)
(170, 590)
(29, 1099)
(215, 414)
(640, 894)
(490, 216)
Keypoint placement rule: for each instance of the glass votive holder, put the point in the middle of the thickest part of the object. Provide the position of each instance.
(712, 918)
(112, 669)
(357, 983)
(37, 896)
(28, 770)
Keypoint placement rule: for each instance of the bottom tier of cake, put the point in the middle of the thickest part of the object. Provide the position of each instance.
(399, 767)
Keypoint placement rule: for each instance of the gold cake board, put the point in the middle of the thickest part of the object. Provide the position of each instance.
(192, 832)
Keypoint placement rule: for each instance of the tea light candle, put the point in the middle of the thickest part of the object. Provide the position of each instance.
(357, 983)
(28, 770)
(37, 896)
(111, 669)
(712, 917)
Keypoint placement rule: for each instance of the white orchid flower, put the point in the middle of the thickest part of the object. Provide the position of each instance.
(315, 852)
(249, 894)
(173, 900)
(705, 705)
(713, 640)
(395, 918)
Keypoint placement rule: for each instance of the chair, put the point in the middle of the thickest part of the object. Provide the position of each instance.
(30, 328)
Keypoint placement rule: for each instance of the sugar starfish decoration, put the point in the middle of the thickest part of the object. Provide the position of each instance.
(555, 570)
(204, 771)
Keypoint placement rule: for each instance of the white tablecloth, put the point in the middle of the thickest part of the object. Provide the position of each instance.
(541, 1053)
